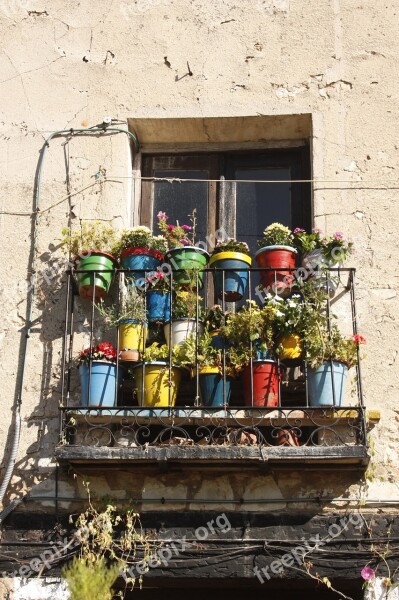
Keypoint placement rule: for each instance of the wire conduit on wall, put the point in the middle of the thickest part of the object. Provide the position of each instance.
(103, 128)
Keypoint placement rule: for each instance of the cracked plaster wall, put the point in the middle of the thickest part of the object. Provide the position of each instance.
(67, 64)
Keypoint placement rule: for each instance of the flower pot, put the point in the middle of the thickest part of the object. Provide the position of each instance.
(159, 391)
(132, 337)
(103, 392)
(181, 329)
(231, 284)
(292, 347)
(218, 341)
(320, 384)
(158, 306)
(211, 387)
(265, 374)
(186, 259)
(142, 261)
(95, 279)
(277, 257)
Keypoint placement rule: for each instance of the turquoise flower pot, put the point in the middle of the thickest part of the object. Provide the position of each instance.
(211, 389)
(320, 384)
(102, 384)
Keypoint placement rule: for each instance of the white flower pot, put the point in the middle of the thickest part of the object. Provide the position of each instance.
(181, 329)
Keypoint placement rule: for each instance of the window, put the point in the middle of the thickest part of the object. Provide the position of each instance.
(228, 192)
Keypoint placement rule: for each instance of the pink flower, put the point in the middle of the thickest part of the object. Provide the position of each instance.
(367, 573)
(338, 236)
(161, 216)
(185, 242)
(317, 230)
(186, 227)
(298, 230)
(171, 227)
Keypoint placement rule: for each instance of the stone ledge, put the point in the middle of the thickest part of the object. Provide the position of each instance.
(210, 455)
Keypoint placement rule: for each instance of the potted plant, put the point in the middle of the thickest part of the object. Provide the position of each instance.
(215, 318)
(289, 326)
(202, 355)
(231, 261)
(328, 353)
(92, 249)
(186, 317)
(141, 252)
(131, 320)
(277, 254)
(320, 253)
(183, 255)
(251, 332)
(158, 378)
(99, 374)
(158, 295)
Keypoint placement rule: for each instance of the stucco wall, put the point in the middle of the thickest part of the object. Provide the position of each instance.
(68, 64)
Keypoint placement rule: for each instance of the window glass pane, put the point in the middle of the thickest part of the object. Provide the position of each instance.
(178, 200)
(260, 204)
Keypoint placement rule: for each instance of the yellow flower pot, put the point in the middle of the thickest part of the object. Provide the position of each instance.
(159, 391)
(292, 347)
(132, 335)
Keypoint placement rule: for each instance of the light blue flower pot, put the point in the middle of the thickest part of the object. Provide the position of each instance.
(102, 384)
(320, 384)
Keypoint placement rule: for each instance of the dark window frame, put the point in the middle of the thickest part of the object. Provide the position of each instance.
(221, 192)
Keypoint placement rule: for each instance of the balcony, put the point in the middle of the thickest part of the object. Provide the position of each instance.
(288, 431)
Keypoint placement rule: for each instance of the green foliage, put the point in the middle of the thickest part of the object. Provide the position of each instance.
(89, 236)
(252, 328)
(334, 248)
(324, 342)
(132, 306)
(89, 580)
(138, 237)
(160, 352)
(276, 234)
(202, 351)
(231, 245)
(215, 317)
(186, 305)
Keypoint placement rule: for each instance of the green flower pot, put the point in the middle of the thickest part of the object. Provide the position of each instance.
(94, 281)
(185, 261)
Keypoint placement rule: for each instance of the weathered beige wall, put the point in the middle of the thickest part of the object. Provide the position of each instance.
(68, 64)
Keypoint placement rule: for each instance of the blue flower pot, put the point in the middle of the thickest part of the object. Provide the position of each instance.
(219, 342)
(211, 389)
(102, 384)
(320, 384)
(233, 283)
(158, 306)
(141, 260)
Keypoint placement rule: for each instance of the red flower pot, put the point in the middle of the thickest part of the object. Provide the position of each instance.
(265, 376)
(276, 258)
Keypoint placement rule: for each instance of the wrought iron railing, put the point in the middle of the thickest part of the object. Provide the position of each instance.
(187, 422)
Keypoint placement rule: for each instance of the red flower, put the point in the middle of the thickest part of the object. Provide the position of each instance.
(171, 227)
(103, 351)
(358, 339)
